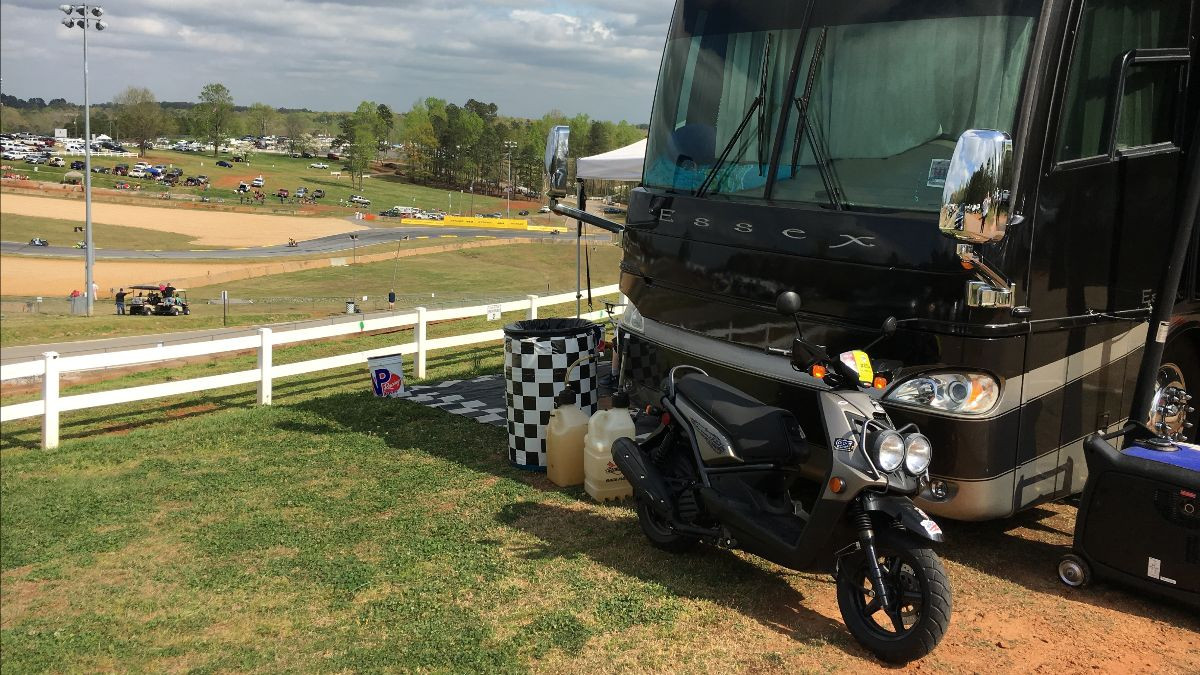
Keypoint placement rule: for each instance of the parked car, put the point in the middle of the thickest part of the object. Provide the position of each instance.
(334, 156)
(544, 209)
(136, 173)
(306, 155)
(35, 159)
(175, 172)
(223, 163)
(243, 187)
(101, 169)
(318, 165)
(318, 193)
(360, 200)
(522, 212)
(121, 170)
(257, 182)
(301, 191)
(281, 193)
(192, 181)
(55, 161)
(202, 178)
(391, 213)
(77, 165)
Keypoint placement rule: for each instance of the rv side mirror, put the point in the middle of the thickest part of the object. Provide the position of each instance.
(889, 326)
(976, 197)
(557, 144)
(788, 303)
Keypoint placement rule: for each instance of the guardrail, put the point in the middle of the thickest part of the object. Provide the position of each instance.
(51, 366)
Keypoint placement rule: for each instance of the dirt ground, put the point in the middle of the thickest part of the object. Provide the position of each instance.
(210, 228)
(53, 276)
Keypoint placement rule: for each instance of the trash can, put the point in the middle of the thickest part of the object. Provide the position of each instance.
(350, 308)
(537, 353)
(387, 375)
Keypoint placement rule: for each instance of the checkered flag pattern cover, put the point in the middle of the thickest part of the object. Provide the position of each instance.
(534, 372)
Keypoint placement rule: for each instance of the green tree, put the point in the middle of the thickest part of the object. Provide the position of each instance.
(359, 137)
(139, 117)
(214, 115)
(295, 125)
(261, 117)
(387, 121)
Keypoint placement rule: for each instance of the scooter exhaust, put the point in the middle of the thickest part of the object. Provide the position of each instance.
(644, 477)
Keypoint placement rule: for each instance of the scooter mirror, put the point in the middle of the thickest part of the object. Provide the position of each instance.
(889, 326)
(788, 303)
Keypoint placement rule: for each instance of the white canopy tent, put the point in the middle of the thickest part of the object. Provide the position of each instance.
(620, 164)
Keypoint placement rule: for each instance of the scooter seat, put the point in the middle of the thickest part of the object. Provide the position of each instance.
(758, 432)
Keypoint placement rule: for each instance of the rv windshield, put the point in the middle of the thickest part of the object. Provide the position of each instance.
(893, 86)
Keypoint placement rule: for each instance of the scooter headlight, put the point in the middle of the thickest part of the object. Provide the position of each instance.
(917, 454)
(888, 449)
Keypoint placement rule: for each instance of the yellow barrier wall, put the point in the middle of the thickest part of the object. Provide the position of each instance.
(467, 221)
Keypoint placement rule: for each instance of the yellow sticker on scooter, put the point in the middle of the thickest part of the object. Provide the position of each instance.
(859, 361)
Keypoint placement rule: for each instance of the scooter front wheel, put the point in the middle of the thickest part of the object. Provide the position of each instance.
(918, 612)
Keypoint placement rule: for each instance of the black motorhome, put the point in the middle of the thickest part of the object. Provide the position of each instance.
(807, 146)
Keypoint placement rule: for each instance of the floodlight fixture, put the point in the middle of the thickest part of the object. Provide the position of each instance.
(68, 22)
(101, 25)
(66, 9)
(97, 12)
(80, 9)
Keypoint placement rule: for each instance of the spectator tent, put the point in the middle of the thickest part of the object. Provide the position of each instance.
(620, 164)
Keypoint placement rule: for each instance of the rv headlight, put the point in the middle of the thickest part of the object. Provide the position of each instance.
(917, 453)
(888, 449)
(966, 393)
(632, 318)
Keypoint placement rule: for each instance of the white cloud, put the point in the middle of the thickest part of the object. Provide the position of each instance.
(584, 56)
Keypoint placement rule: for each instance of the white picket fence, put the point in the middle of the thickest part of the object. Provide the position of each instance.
(51, 365)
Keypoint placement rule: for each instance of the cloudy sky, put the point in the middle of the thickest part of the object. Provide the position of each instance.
(599, 57)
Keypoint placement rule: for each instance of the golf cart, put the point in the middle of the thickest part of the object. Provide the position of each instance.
(150, 301)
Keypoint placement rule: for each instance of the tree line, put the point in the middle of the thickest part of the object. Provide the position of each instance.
(468, 147)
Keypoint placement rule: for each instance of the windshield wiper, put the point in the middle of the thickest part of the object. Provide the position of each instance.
(815, 142)
(757, 104)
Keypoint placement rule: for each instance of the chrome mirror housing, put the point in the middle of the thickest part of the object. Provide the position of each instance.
(557, 144)
(976, 198)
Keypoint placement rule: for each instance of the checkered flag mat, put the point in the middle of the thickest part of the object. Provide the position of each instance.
(534, 372)
(479, 398)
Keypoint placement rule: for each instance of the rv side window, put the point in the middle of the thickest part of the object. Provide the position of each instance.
(1108, 30)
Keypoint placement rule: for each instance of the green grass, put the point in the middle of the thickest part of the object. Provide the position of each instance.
(278, 171)
(474, 273)
(432, 280)
(334, 531)
(59, 232)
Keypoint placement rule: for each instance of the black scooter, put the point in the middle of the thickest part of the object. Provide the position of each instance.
(723, 467)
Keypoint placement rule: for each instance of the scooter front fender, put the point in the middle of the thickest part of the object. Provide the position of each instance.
(902, 509)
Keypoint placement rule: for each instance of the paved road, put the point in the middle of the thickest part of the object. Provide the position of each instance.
(337, 243)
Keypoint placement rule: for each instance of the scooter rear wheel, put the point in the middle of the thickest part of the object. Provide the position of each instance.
(920, 608)
(660, 533)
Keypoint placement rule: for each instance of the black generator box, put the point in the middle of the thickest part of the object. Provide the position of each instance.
(1139, 520)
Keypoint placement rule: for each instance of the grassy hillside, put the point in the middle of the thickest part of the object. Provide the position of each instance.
(279, 171)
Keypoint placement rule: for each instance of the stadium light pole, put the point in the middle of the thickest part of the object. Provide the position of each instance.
(85, 16)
